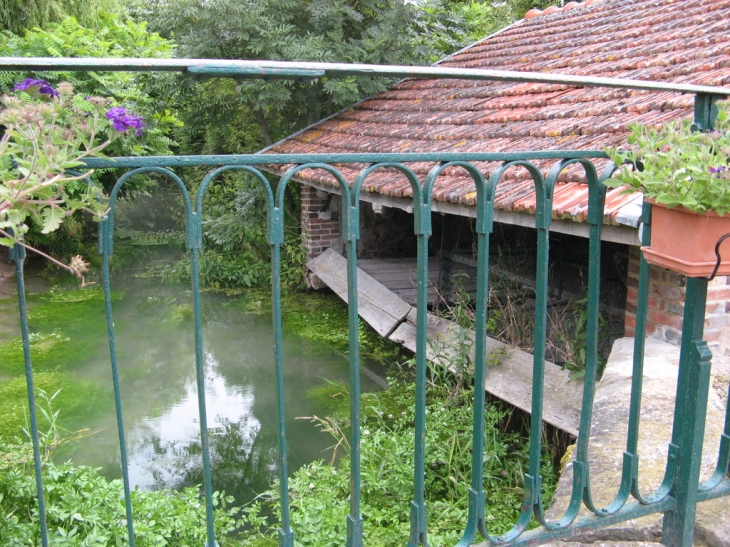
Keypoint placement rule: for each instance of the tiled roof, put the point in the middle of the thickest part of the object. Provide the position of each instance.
(685, 41)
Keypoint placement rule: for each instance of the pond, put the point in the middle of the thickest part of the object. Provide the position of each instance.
(154, 334)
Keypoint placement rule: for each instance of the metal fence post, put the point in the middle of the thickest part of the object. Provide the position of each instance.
(692, 390)
(689, 417)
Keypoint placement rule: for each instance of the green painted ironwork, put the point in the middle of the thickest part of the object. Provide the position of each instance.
(296, 70)
(17, 255)
(680, 490)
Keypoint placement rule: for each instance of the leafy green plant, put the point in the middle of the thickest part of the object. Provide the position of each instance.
(677, 166)
(85, 509)
(569, 327)
(48, 132)
(319, 491)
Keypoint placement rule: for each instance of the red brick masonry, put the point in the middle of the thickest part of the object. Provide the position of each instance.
(320, 226)
(666, 305)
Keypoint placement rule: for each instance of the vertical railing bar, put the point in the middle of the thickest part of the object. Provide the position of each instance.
(543, 218)
(418, 505)
(639, 335)
(538, 369)
(631, 456)
(18, 255)
(476, 491)
(286, 534)
(105, 236)
(354, 521)
(593, 311)
(689, 417)
(418, 524)
(200, 381)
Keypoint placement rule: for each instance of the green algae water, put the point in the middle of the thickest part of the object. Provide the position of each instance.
(154, 335)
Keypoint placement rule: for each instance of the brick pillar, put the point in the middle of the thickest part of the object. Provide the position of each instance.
(320, 221)
(666, 305)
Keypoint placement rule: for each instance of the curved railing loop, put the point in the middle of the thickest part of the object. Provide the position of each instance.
(581, 466)
(276, 239)
(210, 177)
(107, 223)
(422, 229)
(532, 478)
(723, 460)
(106, 249)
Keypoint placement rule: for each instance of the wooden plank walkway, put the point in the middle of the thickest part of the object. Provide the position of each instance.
(377, 305)
(510, 379)
(399, 276)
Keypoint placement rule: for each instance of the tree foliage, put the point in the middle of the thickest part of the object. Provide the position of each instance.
(350, 31)
(520, 7)
(19, 15)
(116, 36)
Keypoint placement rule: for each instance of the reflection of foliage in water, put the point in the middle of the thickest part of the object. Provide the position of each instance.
(243, 459)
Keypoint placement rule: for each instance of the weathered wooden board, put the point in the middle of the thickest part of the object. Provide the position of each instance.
(399, 275)
(379, 307)
(510, 379)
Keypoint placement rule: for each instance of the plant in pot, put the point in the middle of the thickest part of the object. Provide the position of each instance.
(686, 176)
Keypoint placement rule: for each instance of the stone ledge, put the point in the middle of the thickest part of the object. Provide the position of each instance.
(608, 441)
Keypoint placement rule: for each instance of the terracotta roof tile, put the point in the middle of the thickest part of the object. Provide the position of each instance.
(685, 41)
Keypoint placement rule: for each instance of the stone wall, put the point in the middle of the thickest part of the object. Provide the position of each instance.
(666, 306)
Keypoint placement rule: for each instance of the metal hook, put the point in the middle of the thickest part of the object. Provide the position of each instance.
(719, 258)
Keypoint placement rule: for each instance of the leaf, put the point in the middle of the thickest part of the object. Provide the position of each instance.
(52, 219)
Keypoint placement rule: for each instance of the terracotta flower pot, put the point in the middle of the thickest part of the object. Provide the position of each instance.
(684, 241)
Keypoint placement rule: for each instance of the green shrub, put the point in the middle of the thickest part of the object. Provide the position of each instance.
(319, 492)
(85, 509)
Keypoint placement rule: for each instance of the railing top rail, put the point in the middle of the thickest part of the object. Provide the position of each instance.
(274, 159)
(281, 69)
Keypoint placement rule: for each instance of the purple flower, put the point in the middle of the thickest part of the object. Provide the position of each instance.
(123, 120)
(715, 170)
(41, 86)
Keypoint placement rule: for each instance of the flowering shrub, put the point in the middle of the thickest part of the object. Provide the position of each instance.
(675, 165)
(48, 132)
(123, 120)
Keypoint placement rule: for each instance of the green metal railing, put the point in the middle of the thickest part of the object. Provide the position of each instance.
(680, 491)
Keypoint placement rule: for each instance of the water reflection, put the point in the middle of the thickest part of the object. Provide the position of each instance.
(154, 334)
(165, 450)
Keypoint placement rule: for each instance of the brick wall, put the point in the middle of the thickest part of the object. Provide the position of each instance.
(320, 220)
(666, 305)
